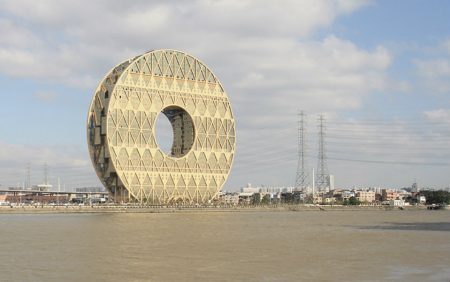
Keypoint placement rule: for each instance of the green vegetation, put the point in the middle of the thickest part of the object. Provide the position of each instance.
(411, 200)
(436, 197)
(255, 199)
(266, 199)
(352, 201)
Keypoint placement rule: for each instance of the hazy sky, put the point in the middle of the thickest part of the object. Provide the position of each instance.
(378, 70)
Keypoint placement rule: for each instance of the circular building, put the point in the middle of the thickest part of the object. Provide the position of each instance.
(121, 130)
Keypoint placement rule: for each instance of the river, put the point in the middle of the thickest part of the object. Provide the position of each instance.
(226, 246)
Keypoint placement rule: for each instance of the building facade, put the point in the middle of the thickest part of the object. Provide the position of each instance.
(366, 196)
(121, 130)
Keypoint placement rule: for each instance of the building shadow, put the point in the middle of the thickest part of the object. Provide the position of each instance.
(418, 226)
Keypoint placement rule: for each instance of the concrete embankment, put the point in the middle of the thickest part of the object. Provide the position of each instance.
(170, 209)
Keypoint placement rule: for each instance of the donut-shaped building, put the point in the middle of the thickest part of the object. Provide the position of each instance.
(121, 130)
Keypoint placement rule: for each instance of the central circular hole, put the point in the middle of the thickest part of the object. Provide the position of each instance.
(174, 130)
(164, 134)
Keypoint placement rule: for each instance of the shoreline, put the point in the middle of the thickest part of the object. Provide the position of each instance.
(139, 209)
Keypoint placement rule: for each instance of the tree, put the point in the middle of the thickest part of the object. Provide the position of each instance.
(411, 200)
(309, 199)
(353, 201)
(266, 199)
(436, 197)
(256, 199)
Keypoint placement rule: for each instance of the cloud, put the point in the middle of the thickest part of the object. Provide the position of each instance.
(438, 115)
(16, 36)
(268, 56)
(329, 75)
(70, 43)
(434, 72)
(262, 51)
(350, 6)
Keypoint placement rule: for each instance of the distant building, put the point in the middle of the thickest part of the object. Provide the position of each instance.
(3, 198)
(388, 195)
(403, 194)
(415, 187)
(230, 199)
(42, 187)
(366, 196)
(249, 189)
(90, 190)
(347, 195)
(421, 199)
(330, 182)
(14, 188)
(378, 197)
(378, 190)
(273, 190)
(317, 199)
(397, 203)
(329, 200)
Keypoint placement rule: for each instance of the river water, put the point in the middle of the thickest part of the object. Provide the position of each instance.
(227, 246)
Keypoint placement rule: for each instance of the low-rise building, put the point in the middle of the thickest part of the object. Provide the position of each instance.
(329, 200)
(403, 194)
(347, 195)
(317, 199)
(421, 199)
(90, 189)
(397, 203)
(388, 195)
(3, 198)
(230, 199)
(366, 196)
(249, 189)
(245, 198)
(378, 197)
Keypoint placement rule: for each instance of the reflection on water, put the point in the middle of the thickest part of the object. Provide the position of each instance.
(228, 246)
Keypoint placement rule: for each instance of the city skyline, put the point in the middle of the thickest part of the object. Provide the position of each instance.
(379, 71)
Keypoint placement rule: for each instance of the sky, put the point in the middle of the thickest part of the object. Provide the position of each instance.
(378, 71)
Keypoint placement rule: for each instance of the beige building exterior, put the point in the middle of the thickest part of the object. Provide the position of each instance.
(230, 199)
(366, 196)
(121, 130)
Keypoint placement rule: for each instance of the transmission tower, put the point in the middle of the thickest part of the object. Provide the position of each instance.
(28, 181)
(301, 177)
(45, 174)
(322, 168)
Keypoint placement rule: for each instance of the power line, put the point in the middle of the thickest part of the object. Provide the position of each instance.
(392, 162)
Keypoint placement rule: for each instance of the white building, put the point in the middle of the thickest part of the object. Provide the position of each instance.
(43, 187)
(249, 189)
(415, 187)
(347, 195)
(397, 203)
(275, 190)
(231, 199)
(330, 182)
(421, 199)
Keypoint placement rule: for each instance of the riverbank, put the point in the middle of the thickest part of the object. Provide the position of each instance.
(43, 209)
